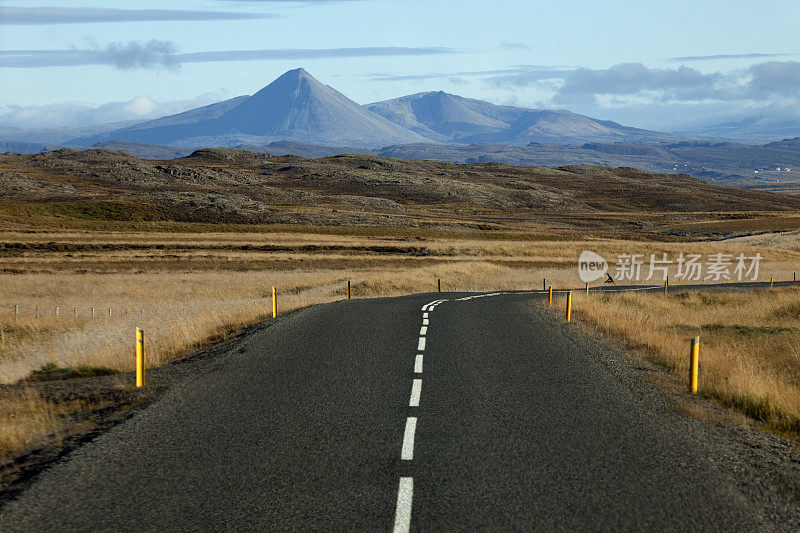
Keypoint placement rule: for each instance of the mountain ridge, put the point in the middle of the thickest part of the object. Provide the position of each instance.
(296, 107)
(444, 117)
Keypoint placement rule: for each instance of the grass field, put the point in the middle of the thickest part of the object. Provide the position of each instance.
(27, 418)
(750, 343)
(187, 289)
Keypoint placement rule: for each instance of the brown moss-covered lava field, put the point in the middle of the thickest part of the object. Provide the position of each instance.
(99, 188)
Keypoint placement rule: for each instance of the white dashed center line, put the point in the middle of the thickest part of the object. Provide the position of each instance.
(407, 452)
(416, 390)
(430, 305)
(402, 516)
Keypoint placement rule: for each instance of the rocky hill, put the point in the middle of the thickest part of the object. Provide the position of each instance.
(234, 186)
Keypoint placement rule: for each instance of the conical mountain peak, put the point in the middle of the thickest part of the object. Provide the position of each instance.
(299, 108)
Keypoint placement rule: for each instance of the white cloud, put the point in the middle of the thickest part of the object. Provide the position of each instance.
(634, 83)
(582, 85)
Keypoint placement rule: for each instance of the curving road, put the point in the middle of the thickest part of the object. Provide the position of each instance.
(476, 412)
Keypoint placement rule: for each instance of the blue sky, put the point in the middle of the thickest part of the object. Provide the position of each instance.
(661, 65)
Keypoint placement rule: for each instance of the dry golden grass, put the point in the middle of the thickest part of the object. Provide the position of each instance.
(750, 343)
(186, 289)
(184, 297)
(25, 418)
(177, 312)
(181, 311)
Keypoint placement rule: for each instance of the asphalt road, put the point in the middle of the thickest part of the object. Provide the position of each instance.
(486, 413)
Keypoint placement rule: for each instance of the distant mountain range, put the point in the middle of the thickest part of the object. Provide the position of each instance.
(758, 129)
(298, 108)
(731, 163)
(296, 114)
(294, 107)
(447, 118)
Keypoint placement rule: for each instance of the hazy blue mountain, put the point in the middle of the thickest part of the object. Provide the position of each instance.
(294, 107)
(192, 116)
(440, 116)
(298, 108)
(164, 130)
(309, 151)
(444, 117)
(785, 144)
(22, 147)
(144, 151)
(61, 135)
(754, 129)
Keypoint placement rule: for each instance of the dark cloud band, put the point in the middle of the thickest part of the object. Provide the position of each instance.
(516, 75)
(29, 16)
(308, 53)
(725, 56)
(161, 54)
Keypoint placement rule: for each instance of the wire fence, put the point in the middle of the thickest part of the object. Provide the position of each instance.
(182, 309)
(65, 312)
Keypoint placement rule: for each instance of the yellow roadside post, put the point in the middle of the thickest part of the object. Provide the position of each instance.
(348, 289)
(770, 282)
(274, 302)
(550, 296)
(587, 288)
(569, 306)
(139, 357)
(694, 364)
(666, 284)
